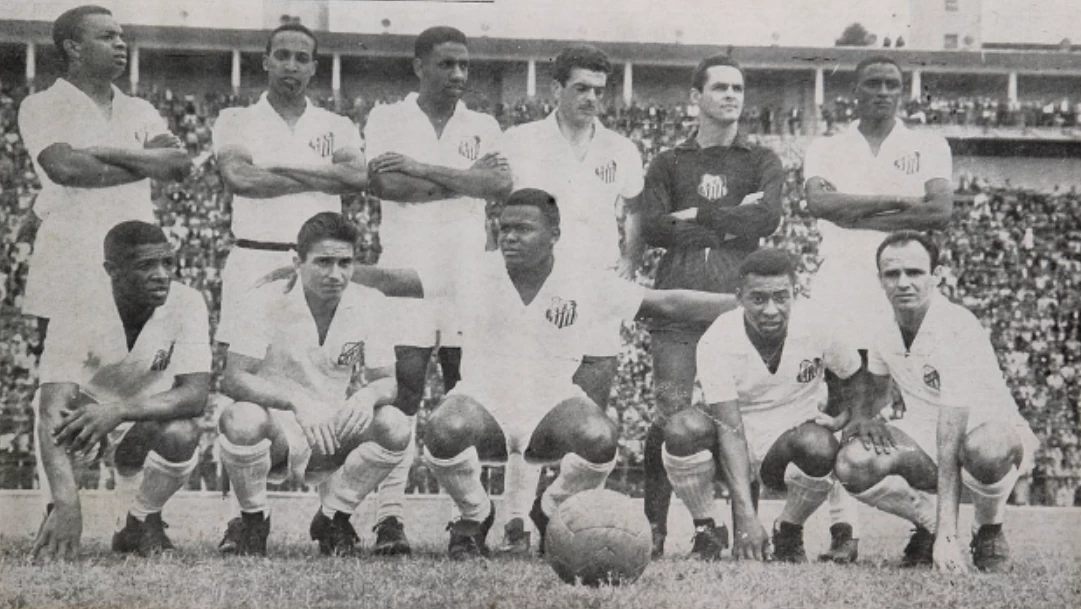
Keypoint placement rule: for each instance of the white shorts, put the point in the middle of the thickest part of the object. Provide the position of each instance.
(518, 412)
(853, 299)
(924, 432)
(243, 269)
(763, 429)
(300, 452)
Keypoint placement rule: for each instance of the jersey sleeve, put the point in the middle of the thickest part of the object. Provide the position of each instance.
(841, 358)
(491, 136)
(716, 370)
(347, 134)
(876, 364)
(939, 158)
(66, 349)
(191, 353)
(251, 333)
(42, 126)
(967, 368)
(815, 160)
(153, 123)
(379, 348)
(634, 178)
(619, 299)
(227, 130)
(379, 132)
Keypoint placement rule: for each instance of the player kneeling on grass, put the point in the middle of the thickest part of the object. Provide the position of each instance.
(290, 367)
(762, 372)
(960, 425)
(127, 372)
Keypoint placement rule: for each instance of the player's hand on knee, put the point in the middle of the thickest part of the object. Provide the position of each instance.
(750, 540)
(873, 433)
(58, 538)
(318, 425)
(86, 426)
(948, 556)
(352, 420)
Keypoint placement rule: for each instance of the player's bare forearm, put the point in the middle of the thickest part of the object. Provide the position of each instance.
(167, 164)
(479, 182)
(398, 283)
(348, 173)
(379, 392)
(241, 383)
(186, 400)
(633, 244)
(56, 400)
(246, 179)
(933, 212)
(734, 459)
(397, 186)
(823, 201)
(952, 422)
(79, 169)
(685, 305)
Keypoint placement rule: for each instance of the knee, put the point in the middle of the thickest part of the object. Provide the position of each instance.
(178, 440)
(244, 423)
(858, 468)
(391, 429)
(814, 449)
(451, 428)
(688, 432)
(597, 439)
(990, 450)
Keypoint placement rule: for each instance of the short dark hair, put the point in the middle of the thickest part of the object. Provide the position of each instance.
(875, 60)
(323, 226)
(903, 237)
(434, 36)
(68, 24)
(768, 262)
(582, 56)
(698, 79)
(293, 26)
(535, 197)
(122, 239)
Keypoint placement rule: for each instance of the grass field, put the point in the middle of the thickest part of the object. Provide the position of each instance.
(1046, 543)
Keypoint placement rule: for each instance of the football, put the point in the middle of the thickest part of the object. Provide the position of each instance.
(598, 537)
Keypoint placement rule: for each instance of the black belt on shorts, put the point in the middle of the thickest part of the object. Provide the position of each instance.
(268, 246)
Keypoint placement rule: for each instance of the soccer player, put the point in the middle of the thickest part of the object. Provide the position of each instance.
(289, 369)
(960, 424)
(876, 176)
(707, 202)
(284, 160)
(762, 372)
(433, 163)
(593, 172)
(127, 373)
(531, 318)
(95, 150)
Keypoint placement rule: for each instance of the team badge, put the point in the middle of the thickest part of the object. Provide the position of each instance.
(469, 147)
(606, 172)
(931, 378)
(712, 187)
(352, 354)
(909, 164)
(323, 145)
(562, 313)
(162, 358)
(808, 370)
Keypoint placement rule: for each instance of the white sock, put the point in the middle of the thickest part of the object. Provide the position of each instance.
(575, 475)
(161, 480)
(519, 485)
(124, 490)
(248, 467)
(989, 500)
(692, 480)
(460, 477)
(392, 489)
(894, 495)
(843, 508)
(362, 471)
(805, 494)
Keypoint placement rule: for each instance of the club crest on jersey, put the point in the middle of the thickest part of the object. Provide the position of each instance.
(931, 378)
(808, 370)
(469, 147)
(712, 187)
(909, 164)
(352, 354)
(606, 172)
(562, 313)
(162, 358)
(323, 145)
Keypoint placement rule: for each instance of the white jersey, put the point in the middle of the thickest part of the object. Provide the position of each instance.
(278, 329)
(434, 232)
(88, 346)
(531, 346)
(586, 191)
(259, 129)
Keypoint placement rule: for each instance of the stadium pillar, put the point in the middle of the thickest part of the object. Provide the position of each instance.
(336, 80)
(31, 65)
(133, 69)
(531, 79)
(819, 100)
(917, 85)
(236, 72)
(1011, 88)
(628, 84)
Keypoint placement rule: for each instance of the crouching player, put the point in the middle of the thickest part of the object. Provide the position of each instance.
(291, 361)
(762, 373)
(960, 425)
(128, 373)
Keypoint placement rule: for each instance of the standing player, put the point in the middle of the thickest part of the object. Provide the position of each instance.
(531, 317)
(284, 160)
(126, 372)
(762, 373)
(708, 202)
(960, 425)
(592, 171)
(433, 164)
(289, 369)
(875, 176)
(95, 150)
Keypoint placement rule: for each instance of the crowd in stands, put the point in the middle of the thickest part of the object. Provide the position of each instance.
(1012, 256)
(978, 111)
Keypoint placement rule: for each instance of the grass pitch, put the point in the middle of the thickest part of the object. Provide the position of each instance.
(1047, 573)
